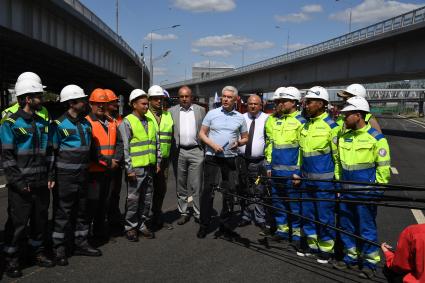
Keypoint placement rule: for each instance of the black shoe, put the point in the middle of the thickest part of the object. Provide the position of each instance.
(12, 268)
(43, 261)
(87, 250)
(323, 258)
(157, 221)
(183, 220)
(264, 230)
(202, 233)
(340, 265)
(367, 273)
(244, 223)
(60, 257)
(132, 235)
(278, 238)
(197, 220)
(146, 233)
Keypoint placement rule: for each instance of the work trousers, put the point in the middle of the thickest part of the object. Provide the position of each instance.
(99, 193)
(359, 219)
(160, 187)
(188, 167)
(288, 226)
(114, 212)
(32, 207)
(319, 237)
(139, 199)
(70, 206)
(249, 170)
(212, 167)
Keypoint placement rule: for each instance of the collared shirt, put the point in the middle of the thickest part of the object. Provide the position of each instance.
(258, 142)
(127, 135)
(225, 128)
(187, 127)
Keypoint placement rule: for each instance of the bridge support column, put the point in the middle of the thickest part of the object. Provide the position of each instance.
(421, 104)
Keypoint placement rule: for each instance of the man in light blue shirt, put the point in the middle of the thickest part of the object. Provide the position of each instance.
(223, 131)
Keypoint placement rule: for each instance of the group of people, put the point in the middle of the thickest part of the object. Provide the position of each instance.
(81, 157)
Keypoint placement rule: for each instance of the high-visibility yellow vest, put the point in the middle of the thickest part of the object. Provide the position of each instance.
(142, 144)
(165, 131)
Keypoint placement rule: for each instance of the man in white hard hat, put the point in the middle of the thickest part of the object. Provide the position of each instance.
(163, 122)
(357, 90)
(318, 156)
(27, 155)
(71, 140)
(364, 156)
(282, 156)
(142, 158)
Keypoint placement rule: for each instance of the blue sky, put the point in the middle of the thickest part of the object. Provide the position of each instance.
(219, 32)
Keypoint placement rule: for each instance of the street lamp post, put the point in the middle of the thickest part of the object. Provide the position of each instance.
(350, 16)
(243, 52)
(143, 62)
(151, 62)
(287, 38)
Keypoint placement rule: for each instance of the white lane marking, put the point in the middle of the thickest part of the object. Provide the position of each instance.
(394, 170)
(419, 216)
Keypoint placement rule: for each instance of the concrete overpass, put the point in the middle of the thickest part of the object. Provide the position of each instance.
(64, 42)
(386, 51)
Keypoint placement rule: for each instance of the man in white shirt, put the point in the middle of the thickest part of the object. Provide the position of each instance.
(187, 153)
(250, 162)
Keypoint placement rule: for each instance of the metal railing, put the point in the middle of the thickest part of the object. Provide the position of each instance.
(89, 15)
(396, 23)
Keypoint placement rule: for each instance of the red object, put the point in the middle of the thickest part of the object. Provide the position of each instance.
(409, 257)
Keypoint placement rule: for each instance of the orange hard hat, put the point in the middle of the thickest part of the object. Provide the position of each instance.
(98, 95)
(111, 95)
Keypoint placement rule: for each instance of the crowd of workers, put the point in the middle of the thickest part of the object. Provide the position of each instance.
(80, 158)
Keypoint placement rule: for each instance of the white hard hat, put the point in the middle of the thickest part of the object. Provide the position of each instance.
(291, 92)
(277, 93)
(135, 94)
(318, 92)
(29, 76)
(356, 103)
(155, 90)
(27, 86)
(353, 90)
(71, 92)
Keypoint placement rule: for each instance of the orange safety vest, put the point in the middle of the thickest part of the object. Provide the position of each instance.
(105, 142)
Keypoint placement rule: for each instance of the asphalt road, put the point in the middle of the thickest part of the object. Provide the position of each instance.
(177, 255)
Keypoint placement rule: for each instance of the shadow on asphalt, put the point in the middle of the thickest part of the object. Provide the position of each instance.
(286, 254)
(405, 134)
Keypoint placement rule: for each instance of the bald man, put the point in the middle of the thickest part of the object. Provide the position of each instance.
(250, 163)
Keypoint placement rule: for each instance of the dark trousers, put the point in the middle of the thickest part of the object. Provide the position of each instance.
(248, 171)
(70, 206)
(159, 187)
(214, 165)
(114, 213)
(99, 192)
(32, 207)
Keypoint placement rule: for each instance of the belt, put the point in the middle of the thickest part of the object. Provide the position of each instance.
(253, 159)
(189, 147)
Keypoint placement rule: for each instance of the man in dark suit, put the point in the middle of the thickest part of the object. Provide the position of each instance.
(187, 153)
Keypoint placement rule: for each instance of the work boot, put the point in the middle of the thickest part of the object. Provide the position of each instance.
(323, 258)
(264, 230)
(132, 235)
(87, 250)
(202, 233)
(146, 233)
(157, 221)
(13, 269)
(60, 256)
(183, 220)
(278, 238)
(244, 222)
(367, 273)
(340, 265)
(43, 261)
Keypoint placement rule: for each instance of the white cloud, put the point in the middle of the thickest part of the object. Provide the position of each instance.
(213, 64)
(205, 5)
(225, 40)
(371, 11)
(260, 45)
(156, 36)
(217, 53)
(313, 8)
(296, 46)
(195, 50)
(159, 71)
(232, 41)
(293, 18)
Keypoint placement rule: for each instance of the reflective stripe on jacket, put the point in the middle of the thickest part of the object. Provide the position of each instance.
(165, 131)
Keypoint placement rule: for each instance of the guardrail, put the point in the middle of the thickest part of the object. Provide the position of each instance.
(83, 10)
(396, 23)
